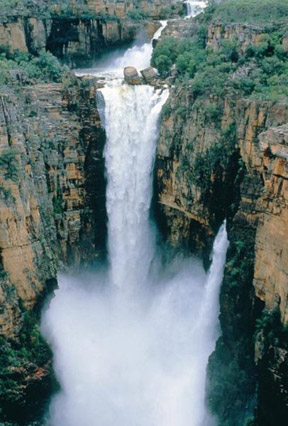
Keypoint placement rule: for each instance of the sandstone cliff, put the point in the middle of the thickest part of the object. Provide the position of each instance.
(217, 157)
(78, 32)
(52, 214)
(51, 142)
(227, 157)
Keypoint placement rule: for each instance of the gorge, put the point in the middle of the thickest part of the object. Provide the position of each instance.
(214, 121)
(139, 340)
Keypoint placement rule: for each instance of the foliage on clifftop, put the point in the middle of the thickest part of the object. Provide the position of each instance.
(41, 8)
(249, 11)
(25, 68)
(259, 71)
(77, 8)
(24, 7)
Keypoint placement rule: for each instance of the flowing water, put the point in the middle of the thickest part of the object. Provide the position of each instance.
(131, 343)
(138, 56)
(194, 7)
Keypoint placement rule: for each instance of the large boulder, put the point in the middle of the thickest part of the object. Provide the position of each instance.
(131, 76)
(149, 75)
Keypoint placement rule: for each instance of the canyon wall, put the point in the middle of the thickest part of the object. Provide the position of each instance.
(80, 32)
(260, 135)
(52, 188)
(52, 216)
(227, 158)
(217, 158)
(74, 40)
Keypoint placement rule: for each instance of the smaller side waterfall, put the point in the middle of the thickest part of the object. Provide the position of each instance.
(210, 307)
(141, 363)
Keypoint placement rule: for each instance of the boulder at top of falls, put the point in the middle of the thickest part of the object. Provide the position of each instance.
(149, 74)
(131, 75)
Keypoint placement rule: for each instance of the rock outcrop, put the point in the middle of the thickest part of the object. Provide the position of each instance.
(50, 143)
(149, 75)
(81, 31)
(131, 76)
(198, 185)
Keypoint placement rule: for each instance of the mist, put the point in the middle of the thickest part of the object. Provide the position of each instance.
(134, 360)
(131, 343)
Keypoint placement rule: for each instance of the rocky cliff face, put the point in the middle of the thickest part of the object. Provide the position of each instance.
(216, 158)
(51, 150)
(220, 158)
(82, 31)
(72, 39)
(52, 215)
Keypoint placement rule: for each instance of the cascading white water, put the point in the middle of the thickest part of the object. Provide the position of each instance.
(131, 347)
(131, 115)
(131, 360)
(194, 7)
(138, 56)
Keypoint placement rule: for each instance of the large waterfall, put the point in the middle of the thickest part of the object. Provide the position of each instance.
(131, 115)
(131, 344)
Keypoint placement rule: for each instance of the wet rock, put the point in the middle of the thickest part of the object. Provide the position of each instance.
(131, 76)
(149, 75)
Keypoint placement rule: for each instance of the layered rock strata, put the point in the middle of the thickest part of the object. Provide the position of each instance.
(220, 158)
(51, 150)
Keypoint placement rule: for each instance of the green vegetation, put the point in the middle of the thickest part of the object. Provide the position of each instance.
(270, 325)
(137, 14)
(206, 70)
(231, 368)
(41, 8)
(249, 11)
(21, 388)
(79, 8)
(57, 205)
(28, 69)
(260, 72)
(9, 163)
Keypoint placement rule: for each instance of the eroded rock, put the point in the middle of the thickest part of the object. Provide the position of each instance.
(131, 76)
(149, 75)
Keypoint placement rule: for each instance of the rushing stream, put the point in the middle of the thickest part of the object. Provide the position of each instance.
(194, 7)
(131, 344)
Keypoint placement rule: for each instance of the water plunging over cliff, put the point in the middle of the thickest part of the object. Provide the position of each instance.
(131, 114)
(194, 7)
(138, 56)
(131, 344)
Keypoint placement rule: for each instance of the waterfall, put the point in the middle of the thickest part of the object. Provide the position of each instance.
(194, 7)
(135, 361)
(131, 343)
(138, 56)
(131, 115)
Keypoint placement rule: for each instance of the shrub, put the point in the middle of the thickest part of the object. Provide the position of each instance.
(42, 68)
(264, 67)
(20, 397)
(10, 163)
(137, 14)
(163, 63)
(250, 11)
